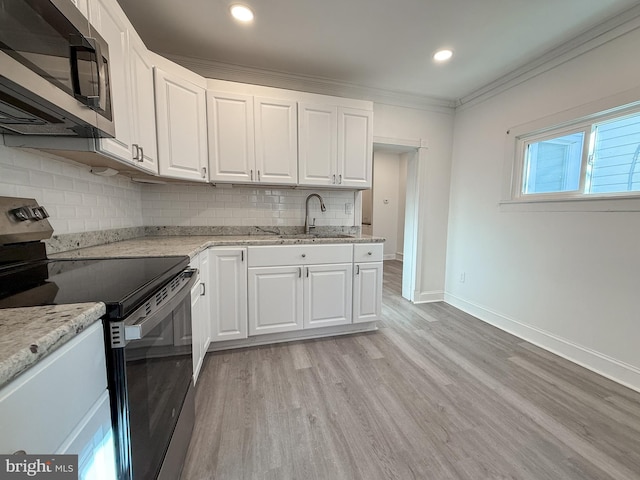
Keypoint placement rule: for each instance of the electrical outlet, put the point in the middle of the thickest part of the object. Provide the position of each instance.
(348, 208)
(463, 277)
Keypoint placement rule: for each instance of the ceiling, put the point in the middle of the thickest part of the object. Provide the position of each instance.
(381, 44)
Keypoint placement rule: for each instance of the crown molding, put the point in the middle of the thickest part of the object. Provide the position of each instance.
(595, 37)
(306, 83)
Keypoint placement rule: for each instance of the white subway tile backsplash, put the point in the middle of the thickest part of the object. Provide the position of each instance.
(80, 201)
(69, 192)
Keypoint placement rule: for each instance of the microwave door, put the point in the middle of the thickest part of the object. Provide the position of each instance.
(49, 58)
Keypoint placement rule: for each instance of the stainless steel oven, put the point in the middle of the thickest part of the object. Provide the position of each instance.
(54, 71)
(147, 334)
(151, 359)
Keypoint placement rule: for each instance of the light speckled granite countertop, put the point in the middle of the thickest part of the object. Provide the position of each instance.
(191, 245)
(29, 334)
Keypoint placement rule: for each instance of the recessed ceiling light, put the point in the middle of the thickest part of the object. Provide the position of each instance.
(242, 13)
(443, 55)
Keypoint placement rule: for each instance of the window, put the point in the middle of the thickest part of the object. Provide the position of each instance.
(597, 158)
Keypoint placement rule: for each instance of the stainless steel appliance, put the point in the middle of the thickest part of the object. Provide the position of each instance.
(54, 71)
(148, 334)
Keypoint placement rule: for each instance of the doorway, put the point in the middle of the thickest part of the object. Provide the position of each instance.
(389, 208)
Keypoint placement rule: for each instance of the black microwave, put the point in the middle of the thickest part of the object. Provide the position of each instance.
(54, 71)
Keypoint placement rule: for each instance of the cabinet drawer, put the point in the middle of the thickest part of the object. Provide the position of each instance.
(42, 407)
(367, 252)
(270, 256)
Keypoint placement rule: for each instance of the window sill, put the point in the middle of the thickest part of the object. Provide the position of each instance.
(609, 203)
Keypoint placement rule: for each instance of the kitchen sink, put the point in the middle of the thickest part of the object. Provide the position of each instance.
(315, 235)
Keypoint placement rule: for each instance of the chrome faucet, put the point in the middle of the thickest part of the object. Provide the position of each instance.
(306, 213)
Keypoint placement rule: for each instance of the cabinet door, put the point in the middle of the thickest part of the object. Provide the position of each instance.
(204, 266)
(181, 122)
(228, 293)
(317, 132)
(275, 299)
(143, 105)
(327, 295)
(355, 147)
(367, 292)
(231, 137)
(196, 329)
(109, 20)
(83, 6)
(276, 141)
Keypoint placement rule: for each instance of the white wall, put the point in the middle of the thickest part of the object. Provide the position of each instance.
(386, 169)
(567, 280)
(435, 130)
(77, 200)
(402, 197)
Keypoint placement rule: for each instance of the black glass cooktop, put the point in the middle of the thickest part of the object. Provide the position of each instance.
(121, 283)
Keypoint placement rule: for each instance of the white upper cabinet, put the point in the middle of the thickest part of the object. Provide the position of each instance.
(131, 89)
(110, 21)
(231, 146)
(276, 140)
(143, 105)
(252, 139)
(182, 124)
(83, 6)
(318, 130)
(355, 147)
(335, 146)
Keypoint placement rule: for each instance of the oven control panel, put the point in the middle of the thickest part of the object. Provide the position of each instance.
(23, 220)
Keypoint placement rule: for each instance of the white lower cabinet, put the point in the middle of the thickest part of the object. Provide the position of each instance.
(228, 302)
(327, 295)
(61, 405)
(367, 292)
(367, 282)
(200, 312)
(275, 299)
(299, 287)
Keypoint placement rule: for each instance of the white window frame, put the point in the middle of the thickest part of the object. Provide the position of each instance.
(584, 120)
(521, 161)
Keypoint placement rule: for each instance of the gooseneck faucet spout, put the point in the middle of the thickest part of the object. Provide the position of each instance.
(307, 228)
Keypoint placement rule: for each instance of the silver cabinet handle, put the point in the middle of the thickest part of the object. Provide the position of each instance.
(204, 172)
(242, 255)
(334, 179)
(340, 179)
(357, 269)
(203, 292)
(258, 175)
(135, 151)
(299, 272)
(251, 175)
(304, 255)
(307, 272)
(369, 253)
(141, 159)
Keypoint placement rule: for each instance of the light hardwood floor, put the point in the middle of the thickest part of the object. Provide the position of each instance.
(434, 394)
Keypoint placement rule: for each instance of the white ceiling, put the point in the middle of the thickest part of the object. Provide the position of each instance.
(382, 44)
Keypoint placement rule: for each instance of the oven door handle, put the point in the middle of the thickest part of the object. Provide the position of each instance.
(144, 323)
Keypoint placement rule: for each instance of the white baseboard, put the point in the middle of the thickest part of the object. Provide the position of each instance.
(608, 367)
(428, 297)
(389, 256)
(270, 338)
(399, 256)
